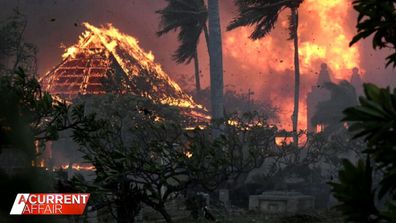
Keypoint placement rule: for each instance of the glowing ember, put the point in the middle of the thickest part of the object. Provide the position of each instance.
(282, 141)
(188, 154)
(233, 122)
(320, 128)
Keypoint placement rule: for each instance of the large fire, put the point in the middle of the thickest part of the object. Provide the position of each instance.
(324, 35)
(104, 54)
(87, 63)
(325, 29)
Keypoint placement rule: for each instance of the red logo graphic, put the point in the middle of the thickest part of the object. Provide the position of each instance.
(49, 204)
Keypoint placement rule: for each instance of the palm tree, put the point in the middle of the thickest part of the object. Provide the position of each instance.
(189, 17)
(264, 14)
(216, 61)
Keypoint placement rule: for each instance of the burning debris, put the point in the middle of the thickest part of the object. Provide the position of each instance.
(78, 167)
(107, 61)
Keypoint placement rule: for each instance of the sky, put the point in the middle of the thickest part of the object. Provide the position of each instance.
(264, 66)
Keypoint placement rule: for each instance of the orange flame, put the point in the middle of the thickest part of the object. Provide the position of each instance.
(78, 167)
(324, 37)
(117, 43)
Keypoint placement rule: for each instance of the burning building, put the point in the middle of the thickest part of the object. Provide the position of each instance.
(107, 61)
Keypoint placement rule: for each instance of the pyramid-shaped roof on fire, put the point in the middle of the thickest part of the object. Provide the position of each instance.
(105, 60)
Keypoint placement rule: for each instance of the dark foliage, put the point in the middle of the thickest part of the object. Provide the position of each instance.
(374, 119)
(14, 50)
(159, 158)
(377, 18)
(195, 203)
(31, 180)
(355, 190)
(29, 114)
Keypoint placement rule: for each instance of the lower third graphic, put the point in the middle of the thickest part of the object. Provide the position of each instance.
(49, 204)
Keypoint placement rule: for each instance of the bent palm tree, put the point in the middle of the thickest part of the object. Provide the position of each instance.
(264, 14)
(189, 17)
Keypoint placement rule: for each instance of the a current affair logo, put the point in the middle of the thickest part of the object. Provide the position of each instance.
(49, 204)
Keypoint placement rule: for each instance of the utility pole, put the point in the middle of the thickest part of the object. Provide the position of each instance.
(250, 93)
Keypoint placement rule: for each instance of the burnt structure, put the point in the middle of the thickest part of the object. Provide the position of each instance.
(108, 61)
(320, 93)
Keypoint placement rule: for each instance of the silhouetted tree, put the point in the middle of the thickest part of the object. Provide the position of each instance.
(28, 114)
(367, 191)
(189, 18)
(362, 186)
(148, 149)
(378, 18)
(264, 14)
(14, 51)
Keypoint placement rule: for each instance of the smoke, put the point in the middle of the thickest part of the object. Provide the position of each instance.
(265, 66)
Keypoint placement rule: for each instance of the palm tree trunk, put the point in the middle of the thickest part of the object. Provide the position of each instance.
(296, 75)
(216, 61)
(206, 32)
(197, 79)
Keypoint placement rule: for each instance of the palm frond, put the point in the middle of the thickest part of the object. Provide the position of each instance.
(189, 39)
(188, 17)
(262, 14)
